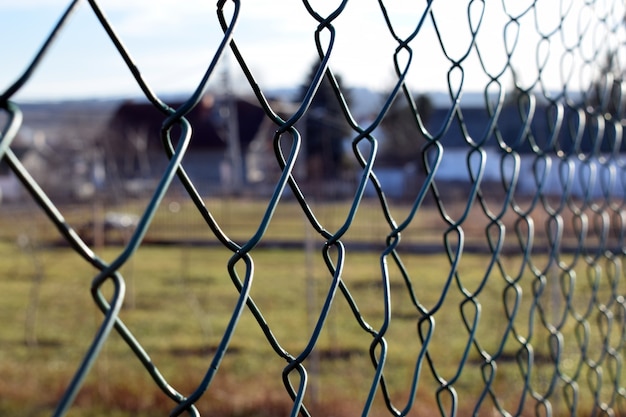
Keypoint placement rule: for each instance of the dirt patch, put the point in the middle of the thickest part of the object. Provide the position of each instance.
(331, 354)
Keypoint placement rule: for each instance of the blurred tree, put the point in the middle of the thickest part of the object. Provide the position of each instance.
(403, 140)
(606, 93)
(605, 99)
(325, 128)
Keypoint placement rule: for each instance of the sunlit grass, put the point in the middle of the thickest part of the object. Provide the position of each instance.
(179, 299)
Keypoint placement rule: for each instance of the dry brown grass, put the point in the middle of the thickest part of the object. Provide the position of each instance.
(33, 378)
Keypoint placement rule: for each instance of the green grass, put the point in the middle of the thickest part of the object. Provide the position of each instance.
(179, 299)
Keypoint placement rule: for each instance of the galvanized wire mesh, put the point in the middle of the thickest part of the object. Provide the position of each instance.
(564, 135)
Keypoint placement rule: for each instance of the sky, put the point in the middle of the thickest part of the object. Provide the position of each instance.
(173, 42)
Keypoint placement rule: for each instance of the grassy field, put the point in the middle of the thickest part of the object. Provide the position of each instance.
(180, 297)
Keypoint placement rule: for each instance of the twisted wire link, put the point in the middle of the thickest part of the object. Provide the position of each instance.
(560, 282)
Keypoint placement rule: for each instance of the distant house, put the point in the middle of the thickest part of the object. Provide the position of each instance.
(461, 133)
(40, 156)
(132, 140)
(58, 137)
(526, 139)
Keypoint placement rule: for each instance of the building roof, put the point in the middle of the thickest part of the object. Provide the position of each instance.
(208, 120)
(477, 124)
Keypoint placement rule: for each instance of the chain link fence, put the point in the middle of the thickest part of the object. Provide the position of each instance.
(542, 168)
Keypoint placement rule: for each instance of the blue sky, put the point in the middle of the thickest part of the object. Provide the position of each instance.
(174, 41)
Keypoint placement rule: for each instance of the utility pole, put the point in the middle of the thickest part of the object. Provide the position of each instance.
(234, 145)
